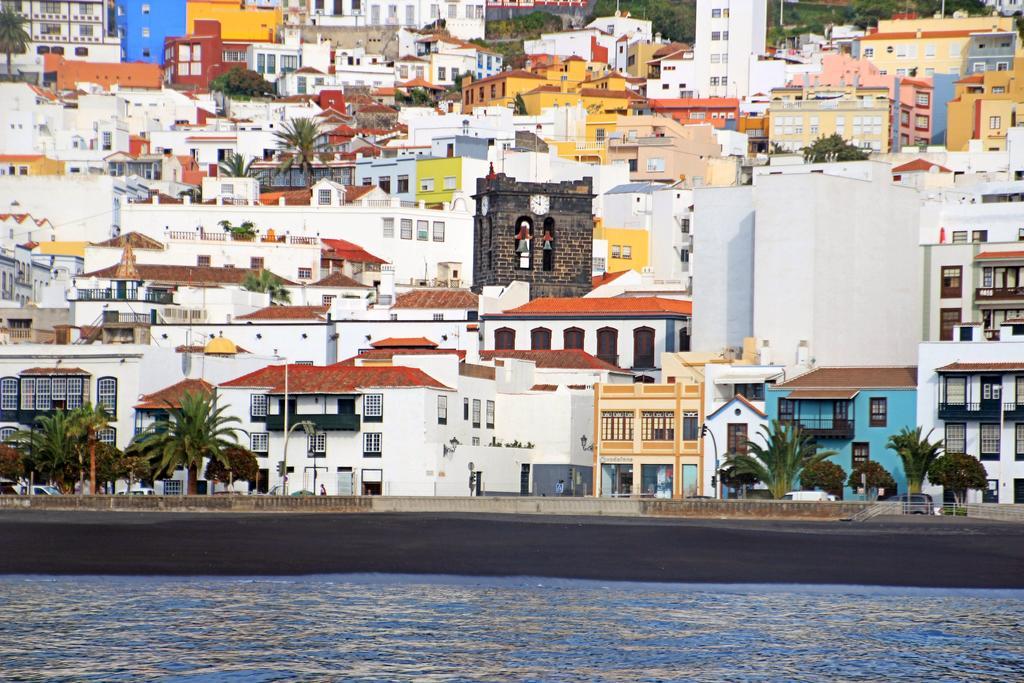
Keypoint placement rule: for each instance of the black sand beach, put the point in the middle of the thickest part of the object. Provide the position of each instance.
(926, 552)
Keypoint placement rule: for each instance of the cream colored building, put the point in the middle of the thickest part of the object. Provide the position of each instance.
(799, 115)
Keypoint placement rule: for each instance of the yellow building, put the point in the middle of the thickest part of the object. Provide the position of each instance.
(238, 21)
(29, 164)
(647, 439)
(438, 179)
(984, 108)
(628, 248)
(799, 115)
(929, 46)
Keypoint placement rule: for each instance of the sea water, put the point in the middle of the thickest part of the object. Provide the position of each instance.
(468, 629)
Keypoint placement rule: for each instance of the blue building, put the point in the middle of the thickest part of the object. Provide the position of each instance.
(394, 175)
(850, 410)
(143, 25)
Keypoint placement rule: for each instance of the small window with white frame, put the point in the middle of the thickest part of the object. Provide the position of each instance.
(259, 442)
(258, 405)
(372, 444)
(373, 407)
(316, 443)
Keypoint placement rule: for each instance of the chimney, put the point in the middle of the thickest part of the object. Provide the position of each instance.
(386, 290)
(803, 354)
(764, 354)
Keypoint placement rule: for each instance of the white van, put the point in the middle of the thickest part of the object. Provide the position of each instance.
(818, 496)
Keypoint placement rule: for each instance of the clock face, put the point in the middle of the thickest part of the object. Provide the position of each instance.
(539, 204)
(484, 205)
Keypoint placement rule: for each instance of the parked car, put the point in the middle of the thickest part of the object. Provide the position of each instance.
(914, 503)
(819, 496)
(41, 490)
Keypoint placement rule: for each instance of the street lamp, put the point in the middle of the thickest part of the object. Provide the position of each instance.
(585, 443)
(450, 447)
(308, 427)
(716, 477)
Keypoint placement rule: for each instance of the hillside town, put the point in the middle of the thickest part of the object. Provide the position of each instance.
(362, 249)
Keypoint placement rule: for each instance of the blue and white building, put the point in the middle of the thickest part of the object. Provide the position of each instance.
(143, 25)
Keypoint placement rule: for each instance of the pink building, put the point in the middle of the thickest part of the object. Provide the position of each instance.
(912, 97)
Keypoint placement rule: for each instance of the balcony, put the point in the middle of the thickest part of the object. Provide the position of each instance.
(823, 427)
(343, 422)
(1013, 411)
(969, 411)
(151, 296)
(999, 294)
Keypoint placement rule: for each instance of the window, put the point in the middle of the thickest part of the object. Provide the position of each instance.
(422, 230)
(989, 442)
(259, 442)
(753, 391)
(869, 52)
(256, 262)
(106, 394)
(995, 122)
(573, 338)
(449, 183)
(442, 410)
(959, 237)
(371, 444)
(979, 235)
(504, 339)
(643, 347)
(465, 409)
(655, 165)
(107, 436)
(258, 405)
(316, 443)
(861, 453)
(879, 412)
(955, 392)
(736, 438)
(406, 227)
(384, 183)
(476, 413)
(627, 251)
(438, 231)
(403, 184)
(616, 251)
(203, 261)
(956, 437)
(951, 282)
(608, 345)
(28, 390)
(1019, 439)
(540, 339)
(490, 415)
(616, 425)
(305, 273)
(657, 425)
(923, 99)
(388, 225)
(427, 185)
(373, 407)
(948, 319)
(921, 122)
(691, 432)
(323, 197)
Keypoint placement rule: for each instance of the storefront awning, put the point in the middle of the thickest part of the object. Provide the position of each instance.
(841, 394)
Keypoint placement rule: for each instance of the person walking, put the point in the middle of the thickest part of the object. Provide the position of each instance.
(323, 490)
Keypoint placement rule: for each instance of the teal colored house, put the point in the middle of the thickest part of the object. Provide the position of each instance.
(850, 410)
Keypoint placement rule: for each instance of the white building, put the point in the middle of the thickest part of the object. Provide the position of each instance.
(82, 30)
(574, 43)
(728, 33)
(462, 18)
(674, 75)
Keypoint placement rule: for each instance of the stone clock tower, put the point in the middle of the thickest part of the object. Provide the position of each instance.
(540, 233)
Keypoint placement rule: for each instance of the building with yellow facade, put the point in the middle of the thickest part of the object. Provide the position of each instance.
(30, 164)
(628, 248)
(801, 114)
(238, 21)
(984, 108)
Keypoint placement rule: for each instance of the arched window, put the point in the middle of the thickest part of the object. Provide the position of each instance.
(608, 345)
(107, 436)
(643, 347)
(684, 339)
(572, 338)
(504, 339)
(7, 432)
(540, 339)
(106, 394)
(8, 394)
(523, 235)
(548, 245)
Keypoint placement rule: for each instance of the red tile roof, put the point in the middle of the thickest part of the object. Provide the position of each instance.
(54, 371)
(335, 379)
(863, 377)
(338, 279)
(388, 354)
(1000, 254)
(604, 278)
(170, 397)
(418, 83)
(606, 306)
(404, 343)
(902, 35)
(438, 298)
(571, 359)
(1009, 366)
(129, 74)
(919, 165)
(349, 251)
(136, 239)
(183, 275)
(287, 313)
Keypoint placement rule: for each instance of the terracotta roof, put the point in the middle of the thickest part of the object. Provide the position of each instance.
(544, 387)
(607, 306)
(438, 298)
(21, 157)
(572, 359)
(605, 278)
(1009, 366)
(1000, 254)
(376, 108)
(335, 379)
(309, 70)
(842, 394)
(338, 279)
(54, 371)
(863, 377)
(183, 275)
(388, 354)
(975, 78)
(349, 251)
(134, 74)
(404, 343)
(903, 35)
(741, 399)
(613, 94)
(419, 83)
(135, 239)
(170, 397)
(291, 197)
(514, 73)
(919, 165)
(287, 313)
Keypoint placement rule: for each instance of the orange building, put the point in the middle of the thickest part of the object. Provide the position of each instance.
(68, 73)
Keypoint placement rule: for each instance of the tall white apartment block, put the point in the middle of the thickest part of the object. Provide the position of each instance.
(463, 18)
(728, 33)
(75, 29)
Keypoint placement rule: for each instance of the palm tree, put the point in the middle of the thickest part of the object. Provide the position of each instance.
(86, 422)
(917, 453)
(268, 283)
(300, 136)
(14, 38)
(236, 166)
(778, 463)
(49, 448)
(197, 431)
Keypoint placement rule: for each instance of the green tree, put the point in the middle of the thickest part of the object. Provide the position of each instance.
(244, 231)
(113, 464)
(958, 472)
(12, 463)
(241, 465)
(14, 39)
(50, 450)
(918, 454)
(299, 136)
(520, 105)
(84, 425)
(236, 166)
(240, 82)
(832, 148)
(877, 476)
(267, 283)
(778, 462)
(197, 431)
(867, 12)
(824, 475)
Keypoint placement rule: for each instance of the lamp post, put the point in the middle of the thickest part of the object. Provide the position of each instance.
(716, 477)
(308, 427)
